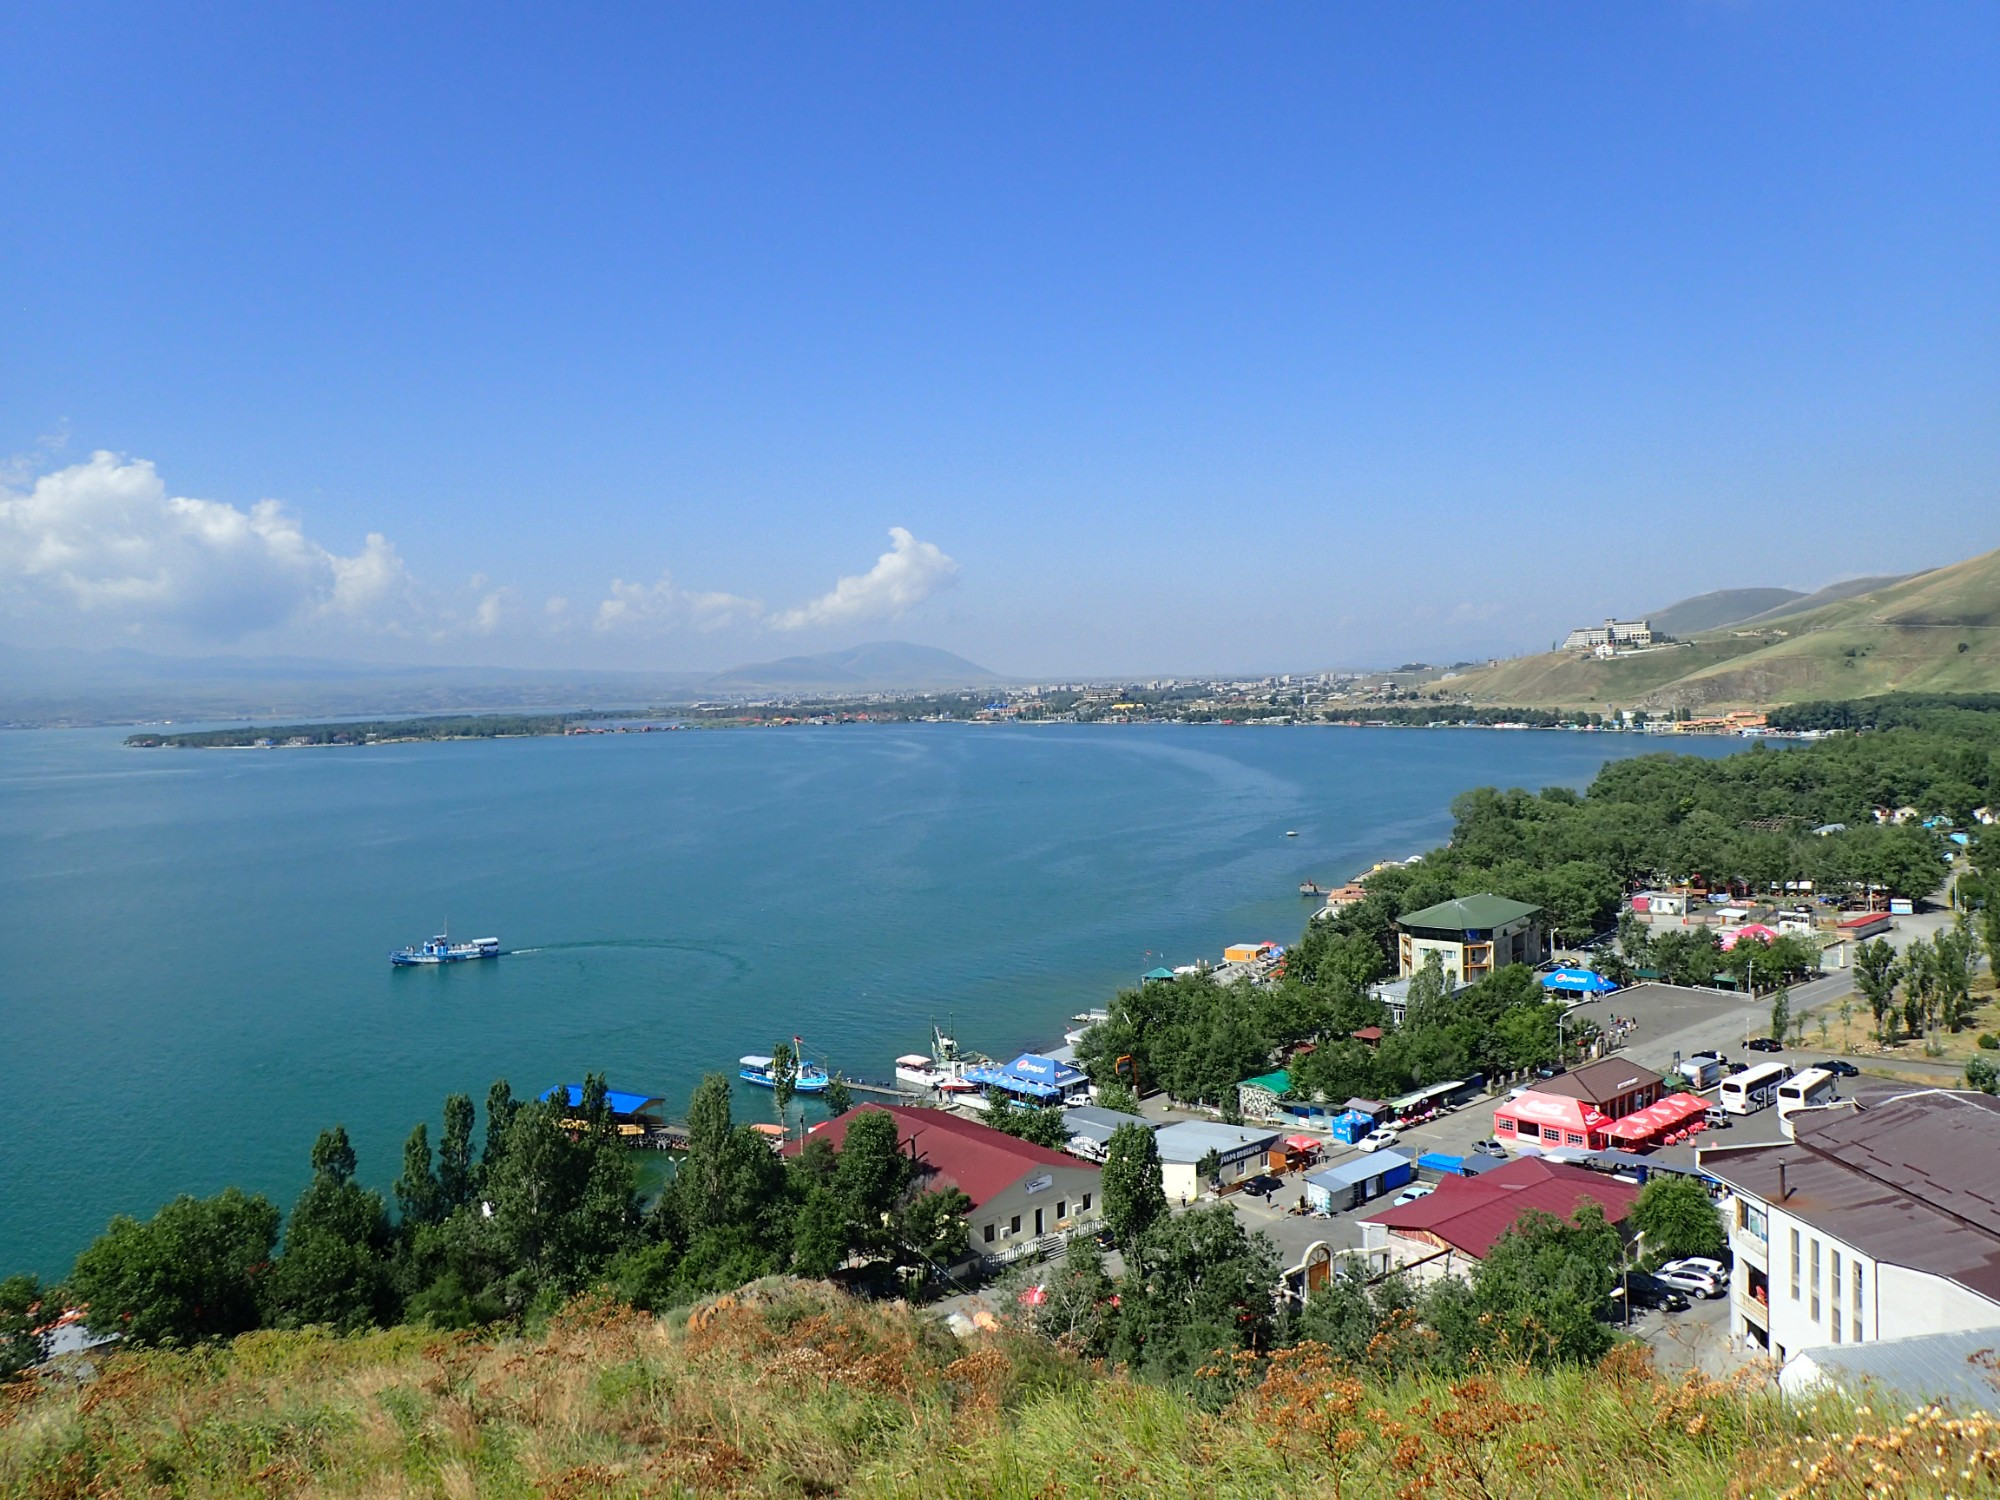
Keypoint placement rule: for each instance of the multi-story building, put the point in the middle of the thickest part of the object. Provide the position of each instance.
(1880, 1220)
(1612, 633)
(1472, 936)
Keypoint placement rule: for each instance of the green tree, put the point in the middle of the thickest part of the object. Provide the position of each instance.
(1678, 1218)
(20, 1311)
(1194, 1283)
(870, 1177)
(1117, 1095)
(839, 1098)
(1041, 1124)
(1781, 1013)
(784, 1079)
(1877, 972)
(1538, 1295)
(335, 1268)
(455, 1169)
(1068, 1303)
(1982, 1075)
(418, 1198)
(1209, 1168)
(1134, 1199)
(500, 1107)
(187, 1274)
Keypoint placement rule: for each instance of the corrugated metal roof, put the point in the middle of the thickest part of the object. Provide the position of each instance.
(1912, 1178)
(1189, 1141)
(1347, 1173)
(1962, 1368)
(1471, 1213)
(1598, 1082)
(1468, 914)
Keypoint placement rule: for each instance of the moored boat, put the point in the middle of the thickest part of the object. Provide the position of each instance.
(810, 1078)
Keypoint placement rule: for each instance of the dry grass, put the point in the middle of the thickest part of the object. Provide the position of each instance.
(796, 1391)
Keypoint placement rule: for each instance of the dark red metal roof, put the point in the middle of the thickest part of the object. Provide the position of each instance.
(978, 1160)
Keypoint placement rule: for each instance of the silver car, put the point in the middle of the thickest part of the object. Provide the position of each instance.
(1694, 1283)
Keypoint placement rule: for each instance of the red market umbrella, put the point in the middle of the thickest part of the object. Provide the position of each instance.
(1301, 1143)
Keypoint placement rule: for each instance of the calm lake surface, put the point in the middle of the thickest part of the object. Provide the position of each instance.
(194, 974)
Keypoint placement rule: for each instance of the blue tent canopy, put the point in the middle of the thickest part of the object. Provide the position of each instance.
(619, 1101)
(1578, 979)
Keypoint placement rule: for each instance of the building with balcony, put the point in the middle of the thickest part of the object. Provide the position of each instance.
(1880, 1220)
(1471, 936)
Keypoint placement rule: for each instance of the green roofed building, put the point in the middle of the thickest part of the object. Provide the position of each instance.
(1257, 1098)
(1472, 936)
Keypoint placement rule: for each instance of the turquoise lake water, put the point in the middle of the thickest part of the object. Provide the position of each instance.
(194, 974)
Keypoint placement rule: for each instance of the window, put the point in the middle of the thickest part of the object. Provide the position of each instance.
(1062, 1212)
(1575, 1139)
(1854, 1275)
(989, 1234)
(1086, 1203)
(1814, 1304)
(1753, 1221)
(1833, 1293)
(1795, 1261)
(1015, 1228)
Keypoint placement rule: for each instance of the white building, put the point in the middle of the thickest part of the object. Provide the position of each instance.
(1880, 1221)
(1613, 634)
(1242, 1151)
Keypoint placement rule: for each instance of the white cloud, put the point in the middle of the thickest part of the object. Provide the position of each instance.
(646, 609)
(902, 578)
(105, 539)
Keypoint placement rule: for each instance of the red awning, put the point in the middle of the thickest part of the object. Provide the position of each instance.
(1302, 1143)
(1656, 1119)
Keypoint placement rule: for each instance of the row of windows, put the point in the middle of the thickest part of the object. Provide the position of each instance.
(1014, 1224)
(1812, 1299)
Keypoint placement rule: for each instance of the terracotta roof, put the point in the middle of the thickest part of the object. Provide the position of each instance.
(1909, 1177)
(978, 1160)
(1471, 1213)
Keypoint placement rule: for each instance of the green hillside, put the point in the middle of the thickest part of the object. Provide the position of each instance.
(1929, 632)
(1723, 607)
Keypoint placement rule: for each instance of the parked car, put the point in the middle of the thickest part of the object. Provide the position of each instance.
(1715, 1270)
(1377, 1140)
(1413, 1192)
(1488, 1148)
(1262, 1185)
(1730, 1069)
(1765, 1044)
(1550, 1070)
(1649, 1291)
(1838, 1068)
(1694, 1283)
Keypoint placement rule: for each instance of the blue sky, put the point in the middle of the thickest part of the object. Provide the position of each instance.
(1169, 338)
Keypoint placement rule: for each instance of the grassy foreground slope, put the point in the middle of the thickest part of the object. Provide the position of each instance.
(1932, 632)
(799, 1391)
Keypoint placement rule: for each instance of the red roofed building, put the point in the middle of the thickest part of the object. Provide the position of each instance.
(1449, 1231)
(1020, 1192)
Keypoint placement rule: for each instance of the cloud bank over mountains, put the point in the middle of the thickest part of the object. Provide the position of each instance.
(103, 547)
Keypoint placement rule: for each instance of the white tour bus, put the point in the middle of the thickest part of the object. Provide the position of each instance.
(1813, 1087)
(1754, 1088)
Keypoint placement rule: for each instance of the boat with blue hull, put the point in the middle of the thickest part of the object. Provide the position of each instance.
(442, 950)
(810, 1078)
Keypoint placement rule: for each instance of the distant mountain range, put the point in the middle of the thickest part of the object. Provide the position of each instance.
(1937, 631)
(62, 685)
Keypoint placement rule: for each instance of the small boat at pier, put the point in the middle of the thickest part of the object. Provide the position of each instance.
(943, 1070)
(808, 1077)
(442, 950)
